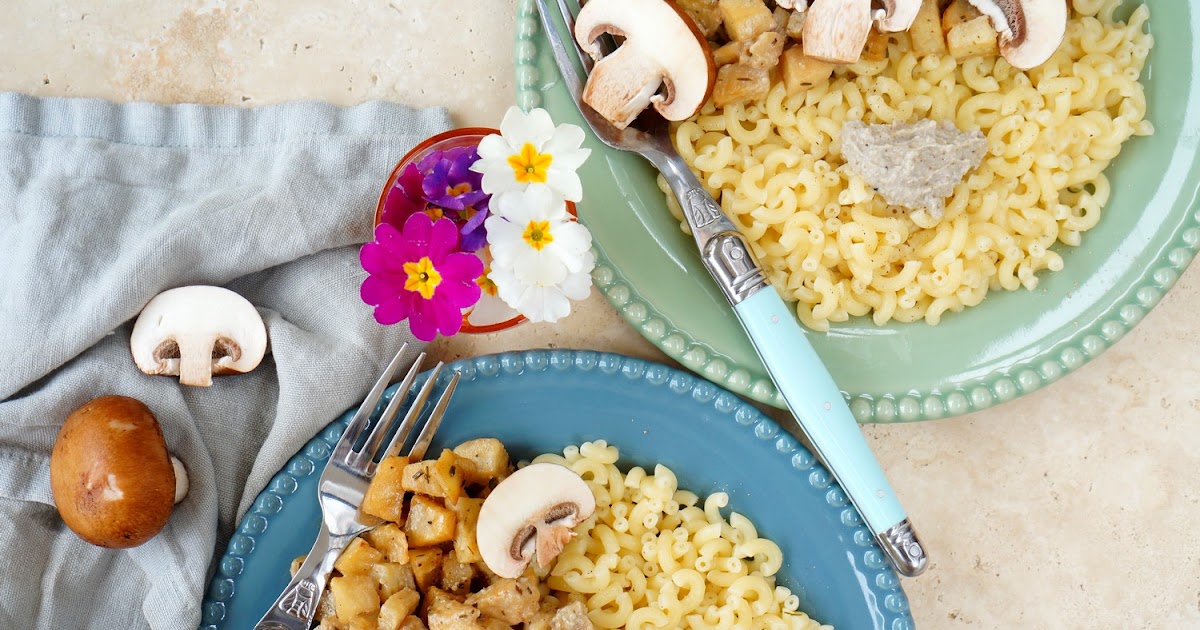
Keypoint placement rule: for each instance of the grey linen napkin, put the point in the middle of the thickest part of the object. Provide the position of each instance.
(103, 206)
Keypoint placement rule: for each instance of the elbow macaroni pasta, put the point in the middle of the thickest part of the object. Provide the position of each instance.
(828, 242)
(659, 557)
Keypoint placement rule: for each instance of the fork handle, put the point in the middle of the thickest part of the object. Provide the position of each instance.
(297, 604)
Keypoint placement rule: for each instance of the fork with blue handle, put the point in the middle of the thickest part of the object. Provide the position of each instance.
(344, 482)
(803, 380)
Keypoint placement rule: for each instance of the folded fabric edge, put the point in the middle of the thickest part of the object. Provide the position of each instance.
(206, 126)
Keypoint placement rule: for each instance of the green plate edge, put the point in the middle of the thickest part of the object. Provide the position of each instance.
(1174, 245)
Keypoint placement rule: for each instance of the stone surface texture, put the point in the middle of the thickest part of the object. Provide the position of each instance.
(1073, 507)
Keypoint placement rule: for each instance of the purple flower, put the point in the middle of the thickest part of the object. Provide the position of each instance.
(442, 184)
(418, 274)
(404, 198)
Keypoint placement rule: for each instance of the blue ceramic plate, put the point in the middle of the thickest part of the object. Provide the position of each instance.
(541, 401)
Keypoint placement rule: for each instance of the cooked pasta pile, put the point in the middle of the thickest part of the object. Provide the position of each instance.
(830, 243)
(651, 558)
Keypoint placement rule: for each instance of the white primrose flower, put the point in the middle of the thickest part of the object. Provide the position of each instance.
(531, 150)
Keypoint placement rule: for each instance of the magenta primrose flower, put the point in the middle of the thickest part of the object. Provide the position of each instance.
(442, 184)
(419, 274)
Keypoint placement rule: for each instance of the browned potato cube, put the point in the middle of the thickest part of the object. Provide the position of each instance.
(571, 617)
(448, 614)
(958, 12)
(413, 623)
(737, 83)
(448, 473)
(357, 558)
(391, 541)
(487, 623)
(434, 596)
(456, 575)
(926, 31)
(801, 72)
(728, 53)
(363, 622)
(392, 578)
(510, 601)
(976, 38)
(426, 565)
(876, 48)
(419, 479)
(488, 457)
(429, 522)
(330, 623)
(764, 51)
(794, 28)
(466, 549)
(325, 609)
(385, 496)
(400, 605)
(745, 19)
(704, 13)
(296, 562)
(354, 595)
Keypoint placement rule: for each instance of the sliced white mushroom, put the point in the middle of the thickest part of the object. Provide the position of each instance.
(836, 30)
(531, 513)
(196, 332)
(181, 479)
(897, 15)
(1030, 30)
(662, 61)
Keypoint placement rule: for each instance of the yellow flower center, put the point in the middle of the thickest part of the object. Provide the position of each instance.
(485, 283)
(537, 234)
(454, 191)
(422, 277)
(434, 212)
(529, 166)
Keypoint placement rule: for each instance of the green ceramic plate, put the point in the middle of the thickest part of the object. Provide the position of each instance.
(1010, 345)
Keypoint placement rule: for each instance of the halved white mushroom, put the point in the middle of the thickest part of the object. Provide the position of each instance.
(836, 30)
(197, 332)
(1030, 30)
(897, 15)
(531, 513)
(663, 61)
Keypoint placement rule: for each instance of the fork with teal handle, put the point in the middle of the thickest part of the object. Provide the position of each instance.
(807, 388)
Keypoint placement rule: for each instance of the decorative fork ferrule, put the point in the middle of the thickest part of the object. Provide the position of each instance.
(728, 258)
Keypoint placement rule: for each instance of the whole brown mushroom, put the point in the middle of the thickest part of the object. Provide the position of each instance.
(113, 480)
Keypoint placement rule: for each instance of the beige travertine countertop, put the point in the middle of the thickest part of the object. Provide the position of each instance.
(1073, 507)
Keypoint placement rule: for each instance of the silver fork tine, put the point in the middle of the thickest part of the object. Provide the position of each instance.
(366, 453)
(414, 412)
(561, 57)
(435, 419)
(359, 421)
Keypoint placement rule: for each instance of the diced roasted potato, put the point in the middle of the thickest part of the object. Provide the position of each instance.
(764, 51)
(488, 457)
(456, 575)
(448, 473)
(976, 38)
(737, 83)
(429, 522)
(413, 623)
(354, 595)
(363, 622)
(396, 608)
(392, 578)
(325, 607)
(448, 614)
(876, 48)
(511, 601)
(704, 13)
(357, 558)
(573, 616)
(426, 564)
(728, 53)
(745, 19)
(330, 623)
(296, 562)
(958, 12)
(419, 479)
(794, 28)
(926, 31)
(781, 18)
(385, 496)
(493, 624)
(390, 540)
(432, 597)
(801, 72)
(466, 549)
